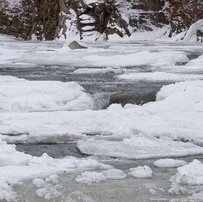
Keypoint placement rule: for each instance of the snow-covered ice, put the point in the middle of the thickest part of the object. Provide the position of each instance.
(90, 177)
(175, 116)
(140, 58)
(141, 172)
(98, 70)
(16, 166)
(59, 112)
(138, 147)
(190, 174)
(169, 163)
(159, 76)
(18, 95)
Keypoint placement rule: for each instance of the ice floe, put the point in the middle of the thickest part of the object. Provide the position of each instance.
(18, 95)
(141, 172)
(190, 174)
(169, 163)
(159, 76)
(98, 70)
(90, 177)
(139, 58)
(138, 147)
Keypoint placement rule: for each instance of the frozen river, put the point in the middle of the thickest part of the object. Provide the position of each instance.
(114, 116)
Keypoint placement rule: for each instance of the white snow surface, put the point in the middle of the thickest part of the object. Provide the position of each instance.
(190, 174)
(18, 95)
(169, 163)
(141, 172)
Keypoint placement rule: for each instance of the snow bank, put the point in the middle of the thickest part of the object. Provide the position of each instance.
(141, 172)
(190, 174)
(169, 163)
(28, 96)
(159, 76)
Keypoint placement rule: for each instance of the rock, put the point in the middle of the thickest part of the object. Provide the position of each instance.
(75, 45)
(99, 19)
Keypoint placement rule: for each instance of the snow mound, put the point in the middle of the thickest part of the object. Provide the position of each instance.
(141, 172)
(169, 163)
(18, 95)
(190, 174)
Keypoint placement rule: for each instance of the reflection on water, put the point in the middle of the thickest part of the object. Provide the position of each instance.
(53, 150)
